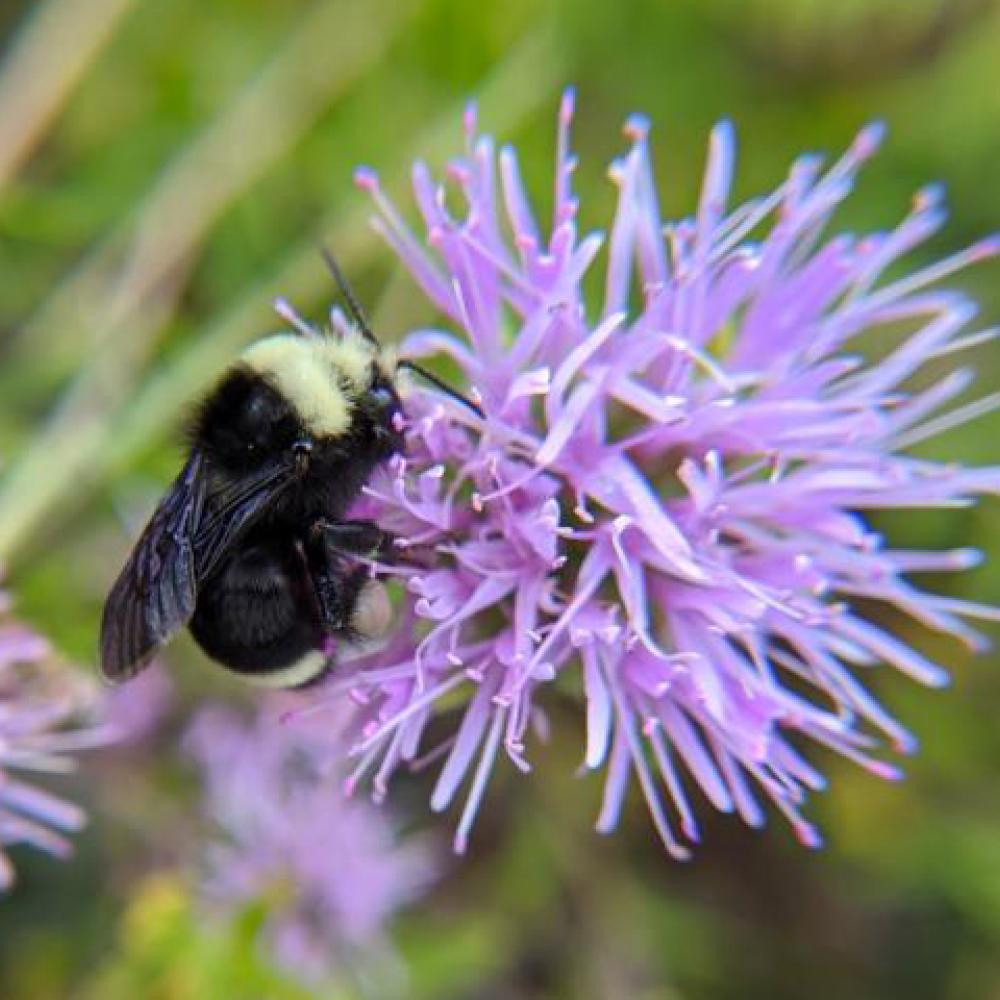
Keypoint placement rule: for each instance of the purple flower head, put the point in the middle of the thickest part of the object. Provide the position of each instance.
(40, 701)
(328, 868)
(664, 504)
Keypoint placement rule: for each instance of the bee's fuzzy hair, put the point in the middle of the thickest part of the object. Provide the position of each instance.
(321, 377)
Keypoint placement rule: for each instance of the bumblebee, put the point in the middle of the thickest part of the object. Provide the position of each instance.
(251, 547)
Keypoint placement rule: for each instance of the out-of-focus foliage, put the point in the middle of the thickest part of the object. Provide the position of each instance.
(166, 951)
(190, 159)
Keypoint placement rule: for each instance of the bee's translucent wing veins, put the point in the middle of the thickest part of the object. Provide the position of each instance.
(228, 511)
(155, 593)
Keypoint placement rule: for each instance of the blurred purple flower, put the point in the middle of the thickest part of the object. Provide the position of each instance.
(134, 711)
(664, 503)
(40, 702)
(329, 869)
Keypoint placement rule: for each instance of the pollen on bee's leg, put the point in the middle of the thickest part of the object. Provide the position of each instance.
(373, 614)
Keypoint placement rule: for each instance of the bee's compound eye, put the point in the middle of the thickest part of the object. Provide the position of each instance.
(382, 397)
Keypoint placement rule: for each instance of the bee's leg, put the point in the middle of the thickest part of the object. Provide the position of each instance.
(338, 591)
(339, 581)
(350, 602)
(355, 538)
(352, 605)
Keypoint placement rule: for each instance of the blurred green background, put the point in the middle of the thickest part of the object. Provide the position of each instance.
(168, 167)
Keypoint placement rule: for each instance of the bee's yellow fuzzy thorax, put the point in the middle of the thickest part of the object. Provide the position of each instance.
(320, 377)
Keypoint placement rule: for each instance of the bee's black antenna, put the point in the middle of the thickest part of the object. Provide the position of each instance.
(358, 315)
(442, 385)
(353, 306)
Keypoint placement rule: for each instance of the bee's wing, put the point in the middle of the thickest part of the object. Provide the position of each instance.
(196, 524)
(227, 512)
(155, 593)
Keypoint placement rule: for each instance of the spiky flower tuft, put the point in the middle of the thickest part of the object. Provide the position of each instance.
(665, 502)
(42, 708)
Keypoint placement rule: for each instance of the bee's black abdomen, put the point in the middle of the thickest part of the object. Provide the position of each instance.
(257, 614)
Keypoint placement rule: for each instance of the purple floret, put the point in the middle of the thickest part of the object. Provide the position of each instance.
(44, 707)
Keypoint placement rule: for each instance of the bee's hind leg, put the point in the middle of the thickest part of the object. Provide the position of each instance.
(353, 606)
(338, 593)
(351, 603)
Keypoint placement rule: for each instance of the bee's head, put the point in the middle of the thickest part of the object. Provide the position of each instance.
(321, 401)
